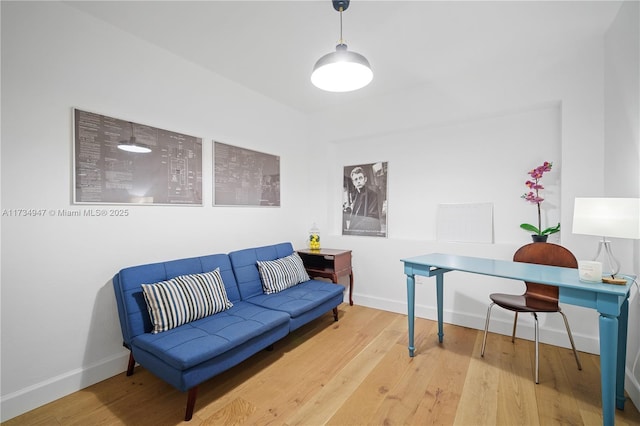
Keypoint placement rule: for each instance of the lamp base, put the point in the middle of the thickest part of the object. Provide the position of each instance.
(609, 280)
(612, 262)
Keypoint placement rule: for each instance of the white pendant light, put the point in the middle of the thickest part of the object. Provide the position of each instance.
(132, 145)
(342, 70)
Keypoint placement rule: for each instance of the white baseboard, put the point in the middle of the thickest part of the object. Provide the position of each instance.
(24, 400)
(584, 343)
(632, 386)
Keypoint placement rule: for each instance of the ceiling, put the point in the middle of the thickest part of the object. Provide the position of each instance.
(270, 47)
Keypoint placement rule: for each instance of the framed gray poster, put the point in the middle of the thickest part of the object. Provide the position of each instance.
(164, 167)
(364, 199)
(244, 177)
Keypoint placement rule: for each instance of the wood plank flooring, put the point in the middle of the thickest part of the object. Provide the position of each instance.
(357, 372)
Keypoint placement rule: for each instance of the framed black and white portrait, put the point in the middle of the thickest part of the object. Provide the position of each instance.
(364, 200)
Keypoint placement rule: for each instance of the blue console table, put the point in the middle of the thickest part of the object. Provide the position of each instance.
(610, 300)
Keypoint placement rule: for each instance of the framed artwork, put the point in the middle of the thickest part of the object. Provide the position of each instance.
(167, 169)
(243, 177)
(364, 200)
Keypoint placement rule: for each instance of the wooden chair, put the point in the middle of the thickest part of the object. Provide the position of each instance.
(537, 297)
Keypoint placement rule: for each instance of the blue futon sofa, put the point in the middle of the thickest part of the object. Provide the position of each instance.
(187, 320)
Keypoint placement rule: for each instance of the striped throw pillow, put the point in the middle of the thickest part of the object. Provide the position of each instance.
(184, 299)
(280, 274)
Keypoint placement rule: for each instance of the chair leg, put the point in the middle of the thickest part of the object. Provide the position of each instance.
(515, 323)
(537, 337)
(191, 402)
(486, 329)
(132, 364)
(335, 313)
(573, 346)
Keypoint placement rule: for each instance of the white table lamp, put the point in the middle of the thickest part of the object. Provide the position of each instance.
(607, 218)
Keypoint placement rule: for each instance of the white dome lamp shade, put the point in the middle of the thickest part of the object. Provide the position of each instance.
(342, 70)
(132, 145)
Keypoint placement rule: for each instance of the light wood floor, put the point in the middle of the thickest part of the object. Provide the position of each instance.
(357, 372)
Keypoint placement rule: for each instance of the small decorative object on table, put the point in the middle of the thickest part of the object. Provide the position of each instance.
(533, 196)
(314, 238)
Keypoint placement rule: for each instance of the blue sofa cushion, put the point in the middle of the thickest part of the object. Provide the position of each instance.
(132, 308)
(206, 338)
(299, 299)
(245, 267)
(280, 274)
(185, 298)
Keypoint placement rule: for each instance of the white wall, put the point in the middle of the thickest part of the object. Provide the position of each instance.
(515, 120)
(60, 329)
(474, 161)
(622, 151)
(59, 323)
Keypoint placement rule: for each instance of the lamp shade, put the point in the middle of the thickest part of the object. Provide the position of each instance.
(341, 71)
(607, 217)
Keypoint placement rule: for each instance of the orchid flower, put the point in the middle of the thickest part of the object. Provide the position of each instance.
(533, 196)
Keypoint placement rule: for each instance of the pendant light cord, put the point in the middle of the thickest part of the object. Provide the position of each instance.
(341, 41)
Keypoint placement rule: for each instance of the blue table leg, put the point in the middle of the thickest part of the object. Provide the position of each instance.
(623, 319)
(411, 303)
(608, 370)
(439, 280)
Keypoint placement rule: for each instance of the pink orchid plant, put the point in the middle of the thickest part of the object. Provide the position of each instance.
(533, 196)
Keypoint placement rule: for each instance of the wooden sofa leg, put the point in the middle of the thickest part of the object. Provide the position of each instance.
(191, 402)
(335, 313)
(132, 363)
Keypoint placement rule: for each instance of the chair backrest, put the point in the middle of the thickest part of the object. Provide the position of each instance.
(545, 254)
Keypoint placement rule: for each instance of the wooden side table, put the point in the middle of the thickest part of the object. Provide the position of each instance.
(329, 263)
